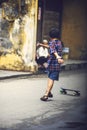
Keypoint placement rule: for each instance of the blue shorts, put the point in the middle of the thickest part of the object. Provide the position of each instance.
(53, 75)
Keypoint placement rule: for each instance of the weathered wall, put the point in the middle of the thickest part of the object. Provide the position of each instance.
(18, 35)
(74, 27)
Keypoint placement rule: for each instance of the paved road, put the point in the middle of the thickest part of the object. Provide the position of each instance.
(21, 108)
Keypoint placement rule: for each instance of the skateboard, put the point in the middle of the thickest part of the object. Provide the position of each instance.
(66, 91)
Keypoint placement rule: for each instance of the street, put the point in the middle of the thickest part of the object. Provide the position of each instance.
(22, 109)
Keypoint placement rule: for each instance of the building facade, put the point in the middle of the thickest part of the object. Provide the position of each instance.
(25, 22)
(70, 17)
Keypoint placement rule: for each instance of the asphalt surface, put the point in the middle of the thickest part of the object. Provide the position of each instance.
(21, 108)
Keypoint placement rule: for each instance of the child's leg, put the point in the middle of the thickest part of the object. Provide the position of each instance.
(45, 64)
(49, 86)
(48, 90)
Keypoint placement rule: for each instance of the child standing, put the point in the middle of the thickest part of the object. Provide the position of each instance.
(54, 62)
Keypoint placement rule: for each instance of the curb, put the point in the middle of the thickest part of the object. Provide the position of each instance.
(74, 66)
(65, 67)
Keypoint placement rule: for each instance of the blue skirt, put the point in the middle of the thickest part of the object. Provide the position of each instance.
(54, 75)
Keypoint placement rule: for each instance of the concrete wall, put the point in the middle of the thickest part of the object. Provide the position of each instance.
(74, 28)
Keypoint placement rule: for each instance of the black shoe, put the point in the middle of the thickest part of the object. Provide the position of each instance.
(44, 98)
(50, 95)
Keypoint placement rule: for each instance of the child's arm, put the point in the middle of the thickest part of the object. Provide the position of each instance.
(44, 45)
(57, 56)
(60, 60)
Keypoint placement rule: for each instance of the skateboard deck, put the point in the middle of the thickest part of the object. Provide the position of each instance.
(67, 91)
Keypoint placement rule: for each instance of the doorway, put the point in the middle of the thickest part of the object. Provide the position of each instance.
(49, 15)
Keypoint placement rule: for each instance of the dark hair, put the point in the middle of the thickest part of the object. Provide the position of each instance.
(54, 33)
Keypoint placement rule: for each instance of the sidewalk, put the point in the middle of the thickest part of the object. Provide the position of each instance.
(68, 65)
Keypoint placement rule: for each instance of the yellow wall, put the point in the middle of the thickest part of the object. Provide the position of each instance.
(74, 27)
(18, 36)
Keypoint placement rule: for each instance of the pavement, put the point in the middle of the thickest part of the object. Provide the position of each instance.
(67, 66)
(21, 108)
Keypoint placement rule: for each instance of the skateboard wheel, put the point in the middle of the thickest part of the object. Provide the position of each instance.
(63, 92)
(78, 94)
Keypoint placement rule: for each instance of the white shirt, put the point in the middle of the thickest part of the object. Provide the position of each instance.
(42, 51)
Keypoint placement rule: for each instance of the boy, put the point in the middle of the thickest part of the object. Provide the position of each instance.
(54, 62)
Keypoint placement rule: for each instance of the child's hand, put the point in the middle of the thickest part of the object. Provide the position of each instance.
(38, 44)
(61, 61)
